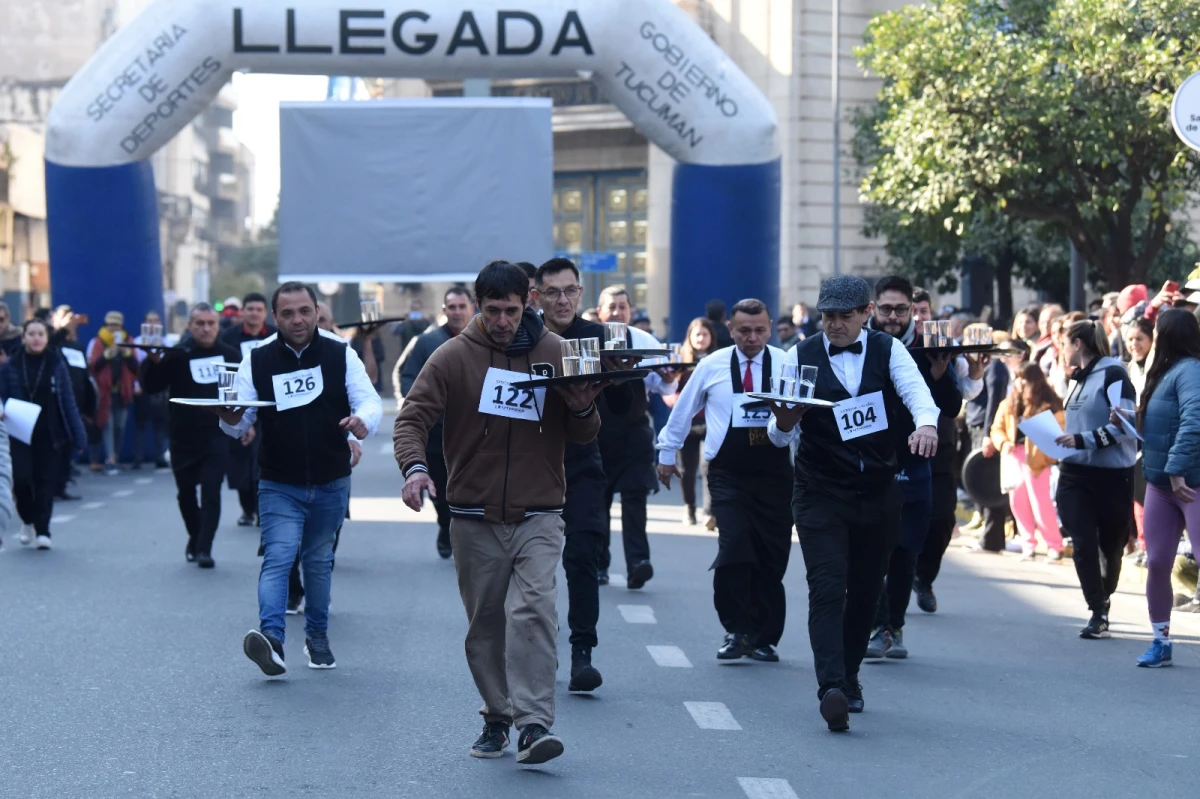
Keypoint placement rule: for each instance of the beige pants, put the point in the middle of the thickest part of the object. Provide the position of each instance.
(506, 577)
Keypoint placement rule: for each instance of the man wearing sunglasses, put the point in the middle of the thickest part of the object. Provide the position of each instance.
(950, 381)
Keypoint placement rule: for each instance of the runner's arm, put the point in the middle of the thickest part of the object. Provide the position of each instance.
(245, 391)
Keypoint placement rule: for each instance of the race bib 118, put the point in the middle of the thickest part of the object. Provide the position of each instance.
(205, 370)
(499, 398)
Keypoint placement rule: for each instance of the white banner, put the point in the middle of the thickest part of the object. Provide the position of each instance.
(662, 70)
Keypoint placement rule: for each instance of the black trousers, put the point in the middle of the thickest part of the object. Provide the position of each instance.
(1096, 506)
(435, 461)
(633, 527)
(581, 559)
(248, 499)
(902, 564)
(994, 518)
(941, 528)
(691, 467)
(202, 518)
(846, 539)
(34, 493)
(750, 600)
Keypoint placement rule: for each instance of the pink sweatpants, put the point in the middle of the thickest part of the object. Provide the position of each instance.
(1165, 520)
(1033, 507)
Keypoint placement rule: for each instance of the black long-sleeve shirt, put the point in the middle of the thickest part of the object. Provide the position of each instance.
(190, 374)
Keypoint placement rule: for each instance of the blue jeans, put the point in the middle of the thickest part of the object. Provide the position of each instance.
(300, 519)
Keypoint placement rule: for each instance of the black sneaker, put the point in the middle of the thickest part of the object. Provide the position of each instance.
(537, 745)
(835, 709)
(295, 605)
(897, 651)
(766, 654)
(639, 574)
(320, 656)
(492, 741)
(584, 676)
(205, 561)
(880, 643)
(245, 520)
(444, 548)
(854, 697)
(926, 600)
(736, 646)
(266, 651)
(602, 576)
(190, 552)
(1097, 627)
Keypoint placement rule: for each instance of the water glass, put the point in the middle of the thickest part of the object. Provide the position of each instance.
(929, 334)
(943, 333)
(614, 335)
(146, 333)
(783, 386)
(807, 385)
(369, 310)
(589, 356)
(676, 353)
(156, 334)
(570, 358)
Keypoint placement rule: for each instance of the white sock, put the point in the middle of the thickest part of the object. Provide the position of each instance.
(1162, 630)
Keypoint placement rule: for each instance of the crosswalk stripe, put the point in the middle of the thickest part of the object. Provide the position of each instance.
(61, 519)
(91, 506)
(144, 481)
(766, 788)
(671, 657)
(617, 580)
(128, 492)
(637, 614)
(712, 716)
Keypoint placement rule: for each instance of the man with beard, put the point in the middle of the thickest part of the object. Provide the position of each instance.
(749, 481)
(893, 315)
(458, 308)
(627, 448)
(243, 453)
(845, 501)
(318, 385)
(557, 293)
(199, 449)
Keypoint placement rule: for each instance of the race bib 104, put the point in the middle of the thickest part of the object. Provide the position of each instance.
(296, 389)
(861, 416)
(499, 398)
(205, 370)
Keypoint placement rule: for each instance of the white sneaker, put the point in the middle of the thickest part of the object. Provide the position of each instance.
(26, 536)
(43, 542)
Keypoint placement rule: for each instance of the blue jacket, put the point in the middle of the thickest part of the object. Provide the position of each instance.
(1172, 427)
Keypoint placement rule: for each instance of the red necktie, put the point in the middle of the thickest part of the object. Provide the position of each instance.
(748, 378)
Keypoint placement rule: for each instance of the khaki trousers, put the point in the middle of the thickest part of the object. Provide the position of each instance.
(506, 577)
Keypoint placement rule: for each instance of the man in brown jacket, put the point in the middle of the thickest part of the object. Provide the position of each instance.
(506, 489)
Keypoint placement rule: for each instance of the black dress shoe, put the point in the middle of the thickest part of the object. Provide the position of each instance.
(245, 520)
(602, 576)
(835, 709)
(445, 550)
(584, 676)
(854, 697)
(190, 552)
(926, 600)
(766, 654)
(736, 646)
(205, 561)
(639, 573)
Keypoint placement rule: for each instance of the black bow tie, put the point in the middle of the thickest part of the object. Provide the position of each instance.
(855, 348)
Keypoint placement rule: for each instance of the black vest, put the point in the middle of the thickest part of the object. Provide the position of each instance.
(823, 457)
(303, 446)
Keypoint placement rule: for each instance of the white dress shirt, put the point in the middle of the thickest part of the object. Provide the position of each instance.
(364, 400)
(847, 368)
(654, 384)
(710, 389)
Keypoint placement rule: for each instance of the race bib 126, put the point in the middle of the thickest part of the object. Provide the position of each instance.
(296, 389)
(861, 416)
(205, 370)
(499, 398)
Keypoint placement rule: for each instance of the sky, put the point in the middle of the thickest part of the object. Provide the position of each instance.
(256, 123)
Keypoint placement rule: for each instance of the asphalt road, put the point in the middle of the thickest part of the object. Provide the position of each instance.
(123, 676)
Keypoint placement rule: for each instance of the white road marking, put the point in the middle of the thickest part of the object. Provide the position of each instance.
(128, 492)
(144, 481)
(61, 519)
(712, 716)
(671, 657)
(91, 506)
(767, 788)
(617, 580)
(637, 614)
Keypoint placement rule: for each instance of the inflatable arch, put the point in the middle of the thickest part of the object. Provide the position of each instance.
(150, 79)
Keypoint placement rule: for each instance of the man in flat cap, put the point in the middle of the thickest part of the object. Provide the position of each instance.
(845, 501)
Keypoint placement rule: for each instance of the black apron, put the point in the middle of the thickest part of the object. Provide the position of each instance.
(750, 482)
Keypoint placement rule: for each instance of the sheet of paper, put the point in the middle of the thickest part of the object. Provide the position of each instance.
(20, 417)
(1114, 400)
(1043, 430)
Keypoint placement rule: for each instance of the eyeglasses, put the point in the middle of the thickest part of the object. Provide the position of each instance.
(571, 292)
(893, 310)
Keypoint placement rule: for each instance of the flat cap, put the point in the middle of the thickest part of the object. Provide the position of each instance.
(843, 293)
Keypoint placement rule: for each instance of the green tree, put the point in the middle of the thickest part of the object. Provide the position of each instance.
(1053, 113)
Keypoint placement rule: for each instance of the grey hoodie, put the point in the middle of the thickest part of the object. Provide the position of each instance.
(1099, 443)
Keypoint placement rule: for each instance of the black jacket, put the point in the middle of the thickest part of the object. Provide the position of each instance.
(195, 432)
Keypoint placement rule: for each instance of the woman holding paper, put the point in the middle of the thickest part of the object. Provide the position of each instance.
(37, 375)
(1031, 502)
(1095, 484)
(1169, 413)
